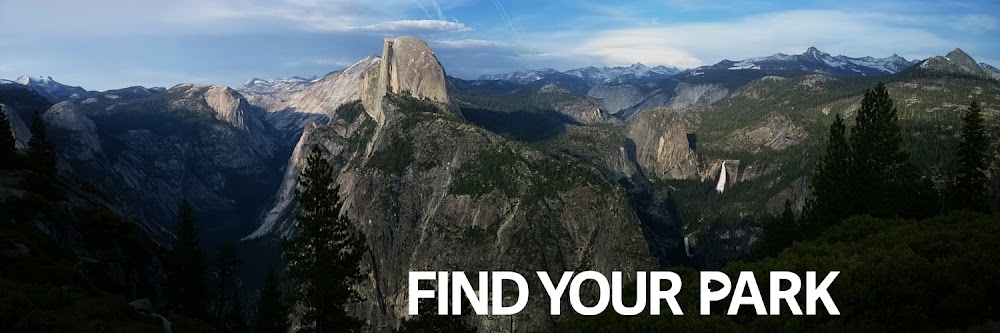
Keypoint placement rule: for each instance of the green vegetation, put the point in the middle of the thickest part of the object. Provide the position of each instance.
(488, 170)
(409, 104)
(323, 259)
(349, 111)
(186, 266)
(394, 158)
(101, 225)
(896, 276)
(971, 180)
(272, 311)
(41, 163)
(8, 149)
(43, 288)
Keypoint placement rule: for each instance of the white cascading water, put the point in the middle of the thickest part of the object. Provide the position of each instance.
(721, 186)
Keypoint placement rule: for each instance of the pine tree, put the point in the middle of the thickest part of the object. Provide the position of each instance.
(779, 233)
(41, 163)
(885, 182)
(272, 313)
(226, 269)
(831, 182)
(41, 158)
(8, 148)
(323, 259)
(186, 266)
(970, 188)
(235, 321)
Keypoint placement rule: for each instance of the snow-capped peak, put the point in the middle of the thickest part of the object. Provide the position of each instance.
(591, 74)
(817, 61)
(37, 81)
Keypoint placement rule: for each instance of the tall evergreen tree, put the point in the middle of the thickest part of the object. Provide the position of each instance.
(226, 269)
(970, 189)
(8, 148)
(186, 266)
(272, 313)
(41, 158)
(235, 321)
(779, 233)
(885, 182)
(41, 163)
(833, 189)
(323, 259)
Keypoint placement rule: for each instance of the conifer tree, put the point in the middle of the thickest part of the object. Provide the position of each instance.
(186, 266)
(970, 188)
(323, 259)
(831, 182)
(235, 321)
(41, 163)
(41, 158)
(779, 233)
(272, 313)
(226, 269)
(8, 148)
(885, 182)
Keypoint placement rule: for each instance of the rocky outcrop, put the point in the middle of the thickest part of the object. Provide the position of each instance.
(18, 127)
(439, 197)
(203, 143)
(291, 104)
(408, 67)
(660, 142)
(74, 133)
(956, 62)
(618, 97)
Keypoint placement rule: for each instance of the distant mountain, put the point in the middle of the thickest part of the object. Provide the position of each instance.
(293, 102)
(51, 89)
(957, 62)
(268, 86)
(812, 61)
(988, 67)
(592, 75)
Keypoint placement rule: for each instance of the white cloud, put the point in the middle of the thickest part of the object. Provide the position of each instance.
(415, 26)
(115, 18)
(693, 44)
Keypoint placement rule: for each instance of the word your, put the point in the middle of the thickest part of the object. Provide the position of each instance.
(488, 297)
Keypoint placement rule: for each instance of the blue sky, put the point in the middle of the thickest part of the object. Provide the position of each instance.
(108, 44)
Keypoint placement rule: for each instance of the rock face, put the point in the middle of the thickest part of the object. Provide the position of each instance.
(20, 130)
(203, 143)
(618, 97)
(292, 103)
(660, 142)
(73, 131)
(417, 180)
(408, 67)
(53, 91)
(957, 62)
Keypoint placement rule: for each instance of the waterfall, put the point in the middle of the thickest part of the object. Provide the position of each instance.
(721, 186)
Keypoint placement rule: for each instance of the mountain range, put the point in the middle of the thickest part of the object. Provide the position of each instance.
(811, 61)
(602, 169)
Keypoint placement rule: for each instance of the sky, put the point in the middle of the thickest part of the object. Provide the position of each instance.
(108, 44)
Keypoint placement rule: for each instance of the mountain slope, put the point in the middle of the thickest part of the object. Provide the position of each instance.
(811, 61)
(292, 103)
(52, 90)
(423, 184)
(203, 143)
(636, 73)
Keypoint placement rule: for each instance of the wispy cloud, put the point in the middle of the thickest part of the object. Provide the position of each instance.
(415, 26)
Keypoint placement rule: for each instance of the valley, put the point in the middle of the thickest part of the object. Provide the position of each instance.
(604, 169)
